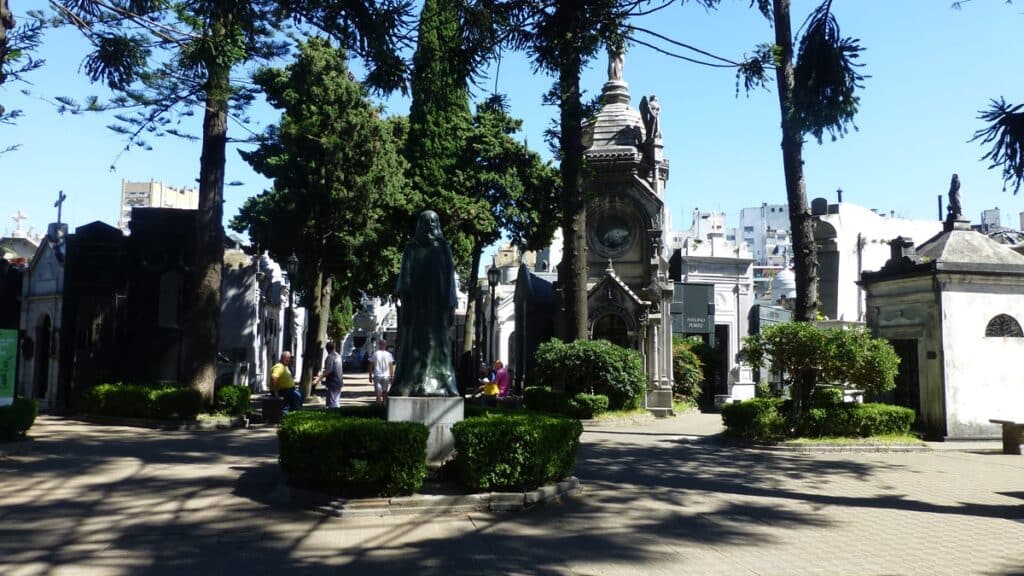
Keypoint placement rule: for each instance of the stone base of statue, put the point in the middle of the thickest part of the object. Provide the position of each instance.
(437, 413)
(659, 401)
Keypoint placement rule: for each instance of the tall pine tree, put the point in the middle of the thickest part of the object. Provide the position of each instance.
(338, 184)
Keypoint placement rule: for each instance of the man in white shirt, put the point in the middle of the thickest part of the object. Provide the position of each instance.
(382, 370)
(332, 376)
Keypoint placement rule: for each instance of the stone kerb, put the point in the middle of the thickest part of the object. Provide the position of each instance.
(438, 414)
(427, 504)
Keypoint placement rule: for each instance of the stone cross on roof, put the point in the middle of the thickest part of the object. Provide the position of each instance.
(59, 204)
(17, 220)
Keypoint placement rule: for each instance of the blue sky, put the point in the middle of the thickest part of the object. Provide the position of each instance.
(931, 69)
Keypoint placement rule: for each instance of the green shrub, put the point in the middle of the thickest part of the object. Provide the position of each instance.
(544, 399)
(587, 406)
(856, 420)
(757, 420)
(850, 357)
(174, 402)
(138, 401)
(827, 396)
(327, 450)
(17, 418)
(593, 367)
(881, 419)
(117, 400)
(515, 452)
(687, 369)
(233, 400)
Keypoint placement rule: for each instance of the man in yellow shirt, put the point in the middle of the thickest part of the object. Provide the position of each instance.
(282, 384)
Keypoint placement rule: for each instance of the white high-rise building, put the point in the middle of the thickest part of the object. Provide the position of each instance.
(153, 194)
(766, 230)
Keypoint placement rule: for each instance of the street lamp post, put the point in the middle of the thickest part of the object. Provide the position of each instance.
(493, 277)
(292, 267)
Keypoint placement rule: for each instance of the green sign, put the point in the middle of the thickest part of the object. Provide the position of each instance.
(8, 365)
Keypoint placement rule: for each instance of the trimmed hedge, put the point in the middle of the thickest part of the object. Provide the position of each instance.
(856, 420)
(233, 400)
(593, 367)
(137, 401)
(17, 418)
(327, 450)
(764, 419)
(544, 399)
(757, 420)
(372, 411)
(515, 452)
(586, 406)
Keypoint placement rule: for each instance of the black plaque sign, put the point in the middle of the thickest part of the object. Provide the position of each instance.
(693, 309)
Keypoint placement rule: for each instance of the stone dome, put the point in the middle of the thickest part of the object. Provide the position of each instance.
(784, 285)
(617, 128)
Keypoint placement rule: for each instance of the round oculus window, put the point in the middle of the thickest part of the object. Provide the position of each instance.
(612, 229)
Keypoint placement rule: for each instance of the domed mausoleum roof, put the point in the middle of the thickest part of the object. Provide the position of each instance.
(617, 129)
(784, 285)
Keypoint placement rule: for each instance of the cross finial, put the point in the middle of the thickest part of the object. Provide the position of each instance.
(59, 204)
(17, 220)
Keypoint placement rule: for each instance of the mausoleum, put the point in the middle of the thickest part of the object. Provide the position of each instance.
(952, 307)
(628, 286)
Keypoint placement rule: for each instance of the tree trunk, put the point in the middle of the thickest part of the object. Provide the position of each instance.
(318, 314)
(572, 273)
(201, 329)
(805, 254)
(467, 357)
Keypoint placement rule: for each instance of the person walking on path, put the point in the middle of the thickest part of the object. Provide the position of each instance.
(332, 376)
(282, 384)
(382, 370)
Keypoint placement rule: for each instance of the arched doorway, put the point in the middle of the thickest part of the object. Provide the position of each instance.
(611, 327)
(41, 370)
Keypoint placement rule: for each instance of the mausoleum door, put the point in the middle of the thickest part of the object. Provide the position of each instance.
(612, 328)
(41, 373)
(907, 392)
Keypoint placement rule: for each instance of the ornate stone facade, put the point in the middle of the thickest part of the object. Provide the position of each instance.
(628, 281)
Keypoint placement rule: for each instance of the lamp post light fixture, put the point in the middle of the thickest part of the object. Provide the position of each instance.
(292, 267)
(493, 277)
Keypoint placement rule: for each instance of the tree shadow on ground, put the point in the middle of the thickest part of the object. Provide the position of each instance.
(664, 470)
(131, 501)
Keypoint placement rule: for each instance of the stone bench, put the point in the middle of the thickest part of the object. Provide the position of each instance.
(1013, 435)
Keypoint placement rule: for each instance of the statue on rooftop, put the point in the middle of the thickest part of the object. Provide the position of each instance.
(955, 210)
(426, 291)
(616, 58)
(650, 113)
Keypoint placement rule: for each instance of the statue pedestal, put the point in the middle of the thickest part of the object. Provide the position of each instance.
(438, 414)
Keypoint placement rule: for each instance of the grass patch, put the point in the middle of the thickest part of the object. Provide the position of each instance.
(622, 414)
(683, 406)
(884, 440)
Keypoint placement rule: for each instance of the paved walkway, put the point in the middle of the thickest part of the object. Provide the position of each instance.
(659, 498)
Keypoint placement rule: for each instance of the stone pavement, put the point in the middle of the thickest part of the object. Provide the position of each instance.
(659, 498)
